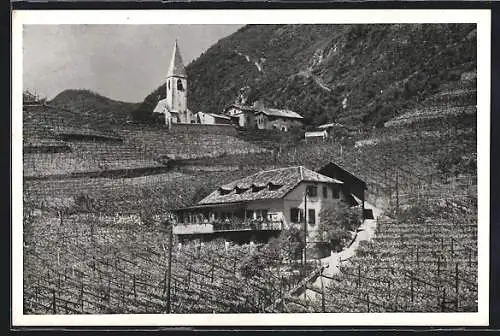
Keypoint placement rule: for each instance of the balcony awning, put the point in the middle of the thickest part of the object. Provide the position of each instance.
(213, 205)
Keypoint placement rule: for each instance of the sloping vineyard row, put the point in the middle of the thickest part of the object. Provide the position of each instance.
(76, 267)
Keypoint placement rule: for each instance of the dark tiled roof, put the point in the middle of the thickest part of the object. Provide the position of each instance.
(279, 113)
(268, 184)
(267, 111)
(219, 116)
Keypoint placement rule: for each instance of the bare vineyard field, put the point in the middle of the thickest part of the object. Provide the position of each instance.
(89, 264)
(112, 258)
(414, 264)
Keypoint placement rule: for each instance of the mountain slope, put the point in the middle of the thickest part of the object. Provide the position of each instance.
(361, 75)
(92, 109)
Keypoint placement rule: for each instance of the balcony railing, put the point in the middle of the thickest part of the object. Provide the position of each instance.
(244, 225)
(228, 225)
(193, 229)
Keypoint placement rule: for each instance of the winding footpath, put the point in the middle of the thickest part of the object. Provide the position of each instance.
(332, 263)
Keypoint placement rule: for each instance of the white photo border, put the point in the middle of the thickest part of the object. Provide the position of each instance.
(480, 17)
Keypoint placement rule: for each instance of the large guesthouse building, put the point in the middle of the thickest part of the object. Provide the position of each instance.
(261, 205)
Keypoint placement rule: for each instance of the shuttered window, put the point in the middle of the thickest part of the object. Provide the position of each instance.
(311, 216)
(312, 191)
(295, 215)
(335, 192)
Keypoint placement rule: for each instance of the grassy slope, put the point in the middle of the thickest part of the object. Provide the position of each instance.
(91, 109)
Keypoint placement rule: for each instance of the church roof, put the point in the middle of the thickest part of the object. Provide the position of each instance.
(177, 68)
(161, 106)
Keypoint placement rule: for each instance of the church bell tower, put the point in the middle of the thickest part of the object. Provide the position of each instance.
(176, 84)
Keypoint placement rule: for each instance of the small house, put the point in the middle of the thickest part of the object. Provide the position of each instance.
(283, 120)
(243, 116)
(261, 205)
(212, 119)
(352, 184)
(260, 117)
(316, 135)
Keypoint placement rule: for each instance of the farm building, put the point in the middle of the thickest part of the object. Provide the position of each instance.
(352, 185)
(317, 135)
(332, 128)
(261, 205)
(30, 98)
(243, 116)
(174, 106)
(212, 119)
(260, 117)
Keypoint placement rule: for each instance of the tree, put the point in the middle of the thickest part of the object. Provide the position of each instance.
(337, 223)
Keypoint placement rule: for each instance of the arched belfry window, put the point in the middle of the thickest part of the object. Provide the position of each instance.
(180, 87)
(168, 84)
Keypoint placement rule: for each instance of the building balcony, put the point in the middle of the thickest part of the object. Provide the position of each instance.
(227, 226)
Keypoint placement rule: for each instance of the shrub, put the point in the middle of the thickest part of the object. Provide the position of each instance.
(336, 224)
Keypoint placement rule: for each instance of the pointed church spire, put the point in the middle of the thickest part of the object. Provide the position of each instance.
(176, 65)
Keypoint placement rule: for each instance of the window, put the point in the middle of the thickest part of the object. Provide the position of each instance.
(311, 214)
(168, 84)
(335, 192)
(273, 186)
(262, 213)
(295, 215)
(325, 192)
(180, 87)
(312, 191)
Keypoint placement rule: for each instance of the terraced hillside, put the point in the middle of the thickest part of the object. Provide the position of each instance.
(423, 259)
(186, 145)
(95, 244)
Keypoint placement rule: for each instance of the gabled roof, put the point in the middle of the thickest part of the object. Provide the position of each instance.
(161, 106)
(283, 113)
(241, 107)
(279, 113)
(315, 134)
(177, 68)
(219, 116)
(330, 125)
(331, 167)
(268, 184)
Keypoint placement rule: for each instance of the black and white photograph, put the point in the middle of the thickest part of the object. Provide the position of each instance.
(274, 169)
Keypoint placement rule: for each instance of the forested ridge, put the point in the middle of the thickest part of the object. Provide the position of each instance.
(359, 75)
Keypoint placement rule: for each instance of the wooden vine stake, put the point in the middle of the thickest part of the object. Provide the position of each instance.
(411, 286)
(456, 285)
(81, 296)
(443, 300)
(135, 290)
(322, 295)
(359, 277)
(54, 309)
(470, 256)
(368, 302)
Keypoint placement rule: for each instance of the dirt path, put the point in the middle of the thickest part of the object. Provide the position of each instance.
(366, 232)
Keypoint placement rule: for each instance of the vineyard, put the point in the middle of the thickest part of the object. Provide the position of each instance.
(424, 259)
(94, 244)
(103, 264)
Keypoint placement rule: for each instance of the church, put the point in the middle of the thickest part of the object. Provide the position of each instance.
(174, 106)
(174, 110)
